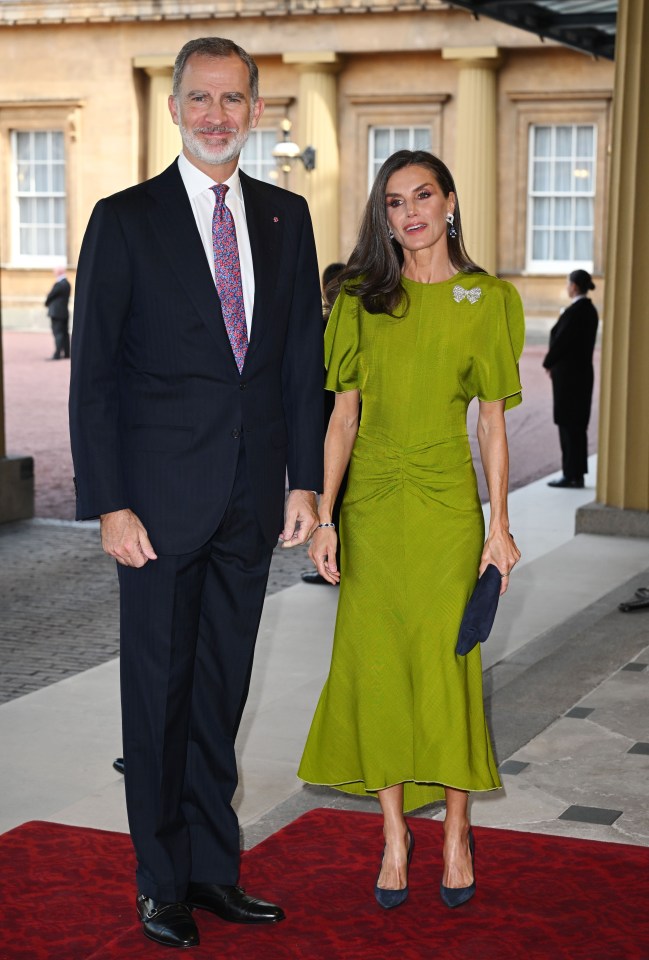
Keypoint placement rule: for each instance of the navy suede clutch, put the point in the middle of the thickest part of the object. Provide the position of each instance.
(480, 611)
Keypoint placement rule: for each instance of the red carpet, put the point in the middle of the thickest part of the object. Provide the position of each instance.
(67, 894)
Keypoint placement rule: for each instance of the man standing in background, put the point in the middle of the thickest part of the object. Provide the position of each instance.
(57, 303)
(196, 384)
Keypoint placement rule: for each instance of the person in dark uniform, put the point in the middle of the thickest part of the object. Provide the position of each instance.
(57, 302)
(569, 362)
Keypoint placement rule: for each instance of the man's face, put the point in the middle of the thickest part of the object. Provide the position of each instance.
(213, 108)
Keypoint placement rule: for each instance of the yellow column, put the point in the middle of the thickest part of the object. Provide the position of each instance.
(474, 167)
(317, 126)
(163, 142)
(623, 473)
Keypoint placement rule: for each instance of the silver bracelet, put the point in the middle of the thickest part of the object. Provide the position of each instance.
(326, 525)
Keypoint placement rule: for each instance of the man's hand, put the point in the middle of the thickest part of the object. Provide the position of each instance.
(300, 518)
(124, 537)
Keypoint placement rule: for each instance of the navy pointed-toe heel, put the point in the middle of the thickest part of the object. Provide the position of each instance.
(456, 896)
(394, 898)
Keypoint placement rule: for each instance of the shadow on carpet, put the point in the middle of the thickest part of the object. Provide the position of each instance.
(67, 894)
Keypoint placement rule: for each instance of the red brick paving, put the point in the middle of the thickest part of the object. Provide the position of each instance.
(36, 396)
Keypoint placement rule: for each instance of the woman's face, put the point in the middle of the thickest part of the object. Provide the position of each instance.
(416, 208)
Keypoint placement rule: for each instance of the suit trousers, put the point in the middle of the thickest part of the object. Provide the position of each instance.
(188, 630)
(61, 336)
(574, 452)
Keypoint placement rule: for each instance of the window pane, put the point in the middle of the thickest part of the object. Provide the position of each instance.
(27, 245)
(381, 144)
(26, 210)
(563, 142)
(422, 139)
(583, 245)
(58, 178)
(57, 146)
(562, 176)
(541, 214)
(584, 212)
(40, 146)
(58, 241)
(42, 241)
(42, 210)
(401, 139)
(542, 141)
(23, 146)
(583, 177)
(562, 212)
(24, 178)
(41, 179)
(585, 141)
(540, 245)
(561, 245)
(58, 211)
(542, 174)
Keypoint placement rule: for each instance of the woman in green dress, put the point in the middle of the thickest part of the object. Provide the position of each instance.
(417, 331)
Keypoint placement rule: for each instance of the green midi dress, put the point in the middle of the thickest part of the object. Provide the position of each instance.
(399, 706)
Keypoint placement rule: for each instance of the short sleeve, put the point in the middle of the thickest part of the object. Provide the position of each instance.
(342, 343)
(500, 350)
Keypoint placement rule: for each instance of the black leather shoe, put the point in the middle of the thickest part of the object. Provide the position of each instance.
(315, 578)
(232, 903)
(118, 764)
(170, 924)
(564, 482)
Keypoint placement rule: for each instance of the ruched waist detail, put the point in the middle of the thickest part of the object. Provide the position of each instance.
(439, 470)
(440, 453)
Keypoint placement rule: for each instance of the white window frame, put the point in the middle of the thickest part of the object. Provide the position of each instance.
(254, 165)
(559, 267)
(35, 260)
(392, 128)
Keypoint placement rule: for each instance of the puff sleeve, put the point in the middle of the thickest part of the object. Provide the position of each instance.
(342, 344)
(496, 361)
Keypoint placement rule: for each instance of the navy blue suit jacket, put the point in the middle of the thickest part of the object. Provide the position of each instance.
(157, 404)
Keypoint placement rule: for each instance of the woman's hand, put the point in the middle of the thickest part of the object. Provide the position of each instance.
(323, 553)
(501, 550)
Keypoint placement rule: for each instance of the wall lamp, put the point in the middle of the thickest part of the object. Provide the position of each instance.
(286, 151)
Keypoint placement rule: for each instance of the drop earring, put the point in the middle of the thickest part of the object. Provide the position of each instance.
(452, 232)
(390, 234)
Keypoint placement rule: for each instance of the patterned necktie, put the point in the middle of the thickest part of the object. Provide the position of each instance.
(227, 272)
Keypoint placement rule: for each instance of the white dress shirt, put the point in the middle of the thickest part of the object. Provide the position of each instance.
(198, 186)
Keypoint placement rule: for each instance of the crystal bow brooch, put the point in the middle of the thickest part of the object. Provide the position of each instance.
(472, 295)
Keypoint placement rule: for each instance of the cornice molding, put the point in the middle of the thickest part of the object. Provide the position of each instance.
(31, 12)
(532, 96)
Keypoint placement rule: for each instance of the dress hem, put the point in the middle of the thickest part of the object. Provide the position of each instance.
(340, 784)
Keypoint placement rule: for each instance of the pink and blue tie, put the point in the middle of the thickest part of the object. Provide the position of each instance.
(227, 273)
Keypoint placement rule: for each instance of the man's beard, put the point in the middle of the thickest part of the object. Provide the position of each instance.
(213, 153)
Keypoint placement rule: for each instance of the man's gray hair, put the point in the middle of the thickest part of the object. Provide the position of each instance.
(215, 47)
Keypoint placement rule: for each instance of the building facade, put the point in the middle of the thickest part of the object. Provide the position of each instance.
(524, 125)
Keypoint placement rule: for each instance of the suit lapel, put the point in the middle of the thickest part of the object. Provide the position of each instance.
(265, 229)
(172, 219)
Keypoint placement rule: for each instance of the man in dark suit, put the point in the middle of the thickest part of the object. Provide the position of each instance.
(196, 382)
(569, 362)
(57, 303)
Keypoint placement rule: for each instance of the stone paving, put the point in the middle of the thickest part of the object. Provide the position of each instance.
(59, 601)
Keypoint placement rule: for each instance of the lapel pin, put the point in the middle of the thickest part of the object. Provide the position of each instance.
(275, 219)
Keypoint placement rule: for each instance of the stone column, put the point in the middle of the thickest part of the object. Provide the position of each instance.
(623, 470)
(317, 126)
(474, 166)
(163, 138)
